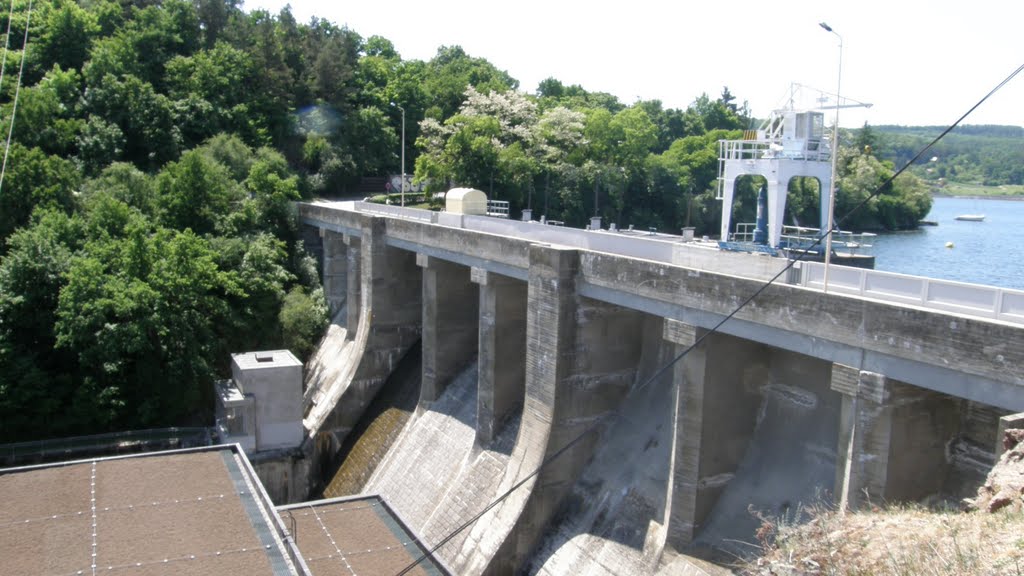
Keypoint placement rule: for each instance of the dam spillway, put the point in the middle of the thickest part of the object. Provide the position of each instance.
(381, 424)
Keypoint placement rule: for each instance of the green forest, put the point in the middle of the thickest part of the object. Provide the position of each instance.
(981, 155)
(156, 147)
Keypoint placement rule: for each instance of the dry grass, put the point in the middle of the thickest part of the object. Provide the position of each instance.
(902, 541)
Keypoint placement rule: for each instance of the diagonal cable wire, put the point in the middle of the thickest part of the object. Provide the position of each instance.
(17, 88)
(697, 342)
(7, 43)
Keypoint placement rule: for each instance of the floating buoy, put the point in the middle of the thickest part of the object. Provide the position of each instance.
(949, 244)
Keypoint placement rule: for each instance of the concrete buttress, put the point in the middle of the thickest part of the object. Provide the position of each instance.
(389, 312)
(892, 438)
(717, 403)
(450, 320)
(354, 284)
(502, 342)
(581, 360)
(335, 259)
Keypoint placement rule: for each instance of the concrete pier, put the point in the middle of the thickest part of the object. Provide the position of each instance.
(581, 360)
(450, 320)
(388, 322)
(717, 403)
(502, 345)
(353, 284)
(892, 438)
(335, 270)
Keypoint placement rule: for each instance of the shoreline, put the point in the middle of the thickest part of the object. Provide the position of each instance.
(1012, 198)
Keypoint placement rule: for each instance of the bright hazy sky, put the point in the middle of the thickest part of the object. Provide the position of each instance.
(919, 62)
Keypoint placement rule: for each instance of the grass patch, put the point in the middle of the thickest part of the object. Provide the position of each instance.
(417, 200)
(962, 189)
(395, 198)
(899, 540)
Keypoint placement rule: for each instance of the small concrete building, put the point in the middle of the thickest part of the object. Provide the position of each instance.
(465, 201)
(261, 406)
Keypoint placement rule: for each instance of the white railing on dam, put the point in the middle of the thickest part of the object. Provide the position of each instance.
(387, 210)
(645, 245)
(959, 297)
(626, 243)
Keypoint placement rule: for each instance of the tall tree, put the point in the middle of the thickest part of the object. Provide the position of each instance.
(196, 193)
(451, 71)
(66, 36)
(143, 321)
(36, 384)
(144, 117)
(34, 180)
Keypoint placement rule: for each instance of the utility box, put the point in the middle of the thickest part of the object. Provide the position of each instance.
(466, 201)
(262, 403)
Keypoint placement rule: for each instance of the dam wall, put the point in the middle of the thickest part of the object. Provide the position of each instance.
(547, 403)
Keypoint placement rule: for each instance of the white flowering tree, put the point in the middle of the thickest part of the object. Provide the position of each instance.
(499, 142)
(559, 146)
(489, 144)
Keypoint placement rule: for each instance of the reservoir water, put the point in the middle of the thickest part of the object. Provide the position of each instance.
(989, 252)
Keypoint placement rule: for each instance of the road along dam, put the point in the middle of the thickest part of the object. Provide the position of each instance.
(468, 351)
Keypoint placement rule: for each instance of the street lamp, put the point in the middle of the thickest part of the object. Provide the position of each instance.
(403, 150)
(835, 157)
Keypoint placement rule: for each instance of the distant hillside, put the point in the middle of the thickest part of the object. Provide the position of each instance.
(989, 130)
(987, 155)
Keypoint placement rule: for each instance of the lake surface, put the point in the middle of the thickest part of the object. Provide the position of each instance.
(989, 252)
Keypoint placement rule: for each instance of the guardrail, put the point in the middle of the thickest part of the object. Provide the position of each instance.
(396, 211)
(40, 451)
(769, 148)
(803, 237)
(497, 208)
(946, 295)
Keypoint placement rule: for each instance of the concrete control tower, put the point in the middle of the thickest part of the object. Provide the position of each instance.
(260, 407)
(789, 144)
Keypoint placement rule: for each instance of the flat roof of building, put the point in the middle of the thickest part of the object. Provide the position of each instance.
(356, 535)
(265, 359)
(197, 511)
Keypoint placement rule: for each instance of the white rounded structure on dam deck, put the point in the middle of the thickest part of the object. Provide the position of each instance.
(465, 201)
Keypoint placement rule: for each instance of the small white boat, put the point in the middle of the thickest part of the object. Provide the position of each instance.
(971, 217)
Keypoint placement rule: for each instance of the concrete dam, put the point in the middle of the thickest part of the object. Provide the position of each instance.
(469, 350)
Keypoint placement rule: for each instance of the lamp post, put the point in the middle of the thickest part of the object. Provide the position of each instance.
(835, 156)
(403, 150)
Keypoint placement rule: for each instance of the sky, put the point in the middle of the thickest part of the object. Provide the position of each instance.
(917, 62)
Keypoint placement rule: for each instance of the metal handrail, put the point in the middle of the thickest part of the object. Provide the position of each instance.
(805, 236)
(498, 208)
(40, 450)
(817, 150)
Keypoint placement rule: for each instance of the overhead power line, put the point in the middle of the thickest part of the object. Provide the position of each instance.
(17, 86)
(7, 43)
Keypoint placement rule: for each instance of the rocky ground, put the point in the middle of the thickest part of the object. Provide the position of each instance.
(1004, 488)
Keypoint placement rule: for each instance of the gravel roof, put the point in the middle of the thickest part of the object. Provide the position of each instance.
(355, 535)
(192, 512)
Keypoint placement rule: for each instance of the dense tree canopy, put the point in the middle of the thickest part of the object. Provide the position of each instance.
(146, 224)
(986, 155)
